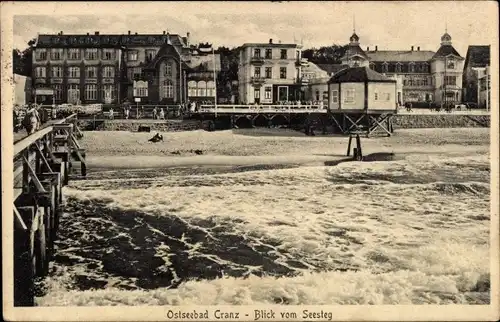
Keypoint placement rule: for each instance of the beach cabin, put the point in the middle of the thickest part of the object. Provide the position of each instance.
(361, 89)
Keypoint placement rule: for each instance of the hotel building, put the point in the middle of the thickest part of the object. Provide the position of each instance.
(269, 73)
(153, 68)
(476, 73)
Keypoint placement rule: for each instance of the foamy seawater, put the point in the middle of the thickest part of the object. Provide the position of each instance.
(413, 231)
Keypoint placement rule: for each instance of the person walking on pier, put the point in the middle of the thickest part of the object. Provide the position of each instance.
(162, 114)
(111, 114)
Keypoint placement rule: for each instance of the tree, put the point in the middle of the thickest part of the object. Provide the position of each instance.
(22, 60)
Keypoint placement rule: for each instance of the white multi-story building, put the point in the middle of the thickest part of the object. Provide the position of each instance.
(269, 73)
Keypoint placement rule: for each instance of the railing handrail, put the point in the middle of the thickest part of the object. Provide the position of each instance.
(26, 142)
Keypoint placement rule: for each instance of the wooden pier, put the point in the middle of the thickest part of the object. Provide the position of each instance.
(43, 163)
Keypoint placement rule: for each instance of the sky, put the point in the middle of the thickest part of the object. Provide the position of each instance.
(389, 25)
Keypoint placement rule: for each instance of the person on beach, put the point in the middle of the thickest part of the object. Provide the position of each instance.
(162, 114)
(111, 114)
(155, 112)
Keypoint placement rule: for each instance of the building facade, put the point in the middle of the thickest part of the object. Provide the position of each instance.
(477, 62)
(153, 68)
(484, 88)
(269, 73)
(422, 76)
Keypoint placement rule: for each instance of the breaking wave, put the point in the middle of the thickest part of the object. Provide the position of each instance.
(402, 232)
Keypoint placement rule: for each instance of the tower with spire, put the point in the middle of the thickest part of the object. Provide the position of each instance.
(354, 56)
(447, 69)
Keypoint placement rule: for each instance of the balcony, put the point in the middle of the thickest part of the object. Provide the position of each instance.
(257, 60)
(257, 80)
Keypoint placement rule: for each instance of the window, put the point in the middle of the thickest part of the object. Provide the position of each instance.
(376, 96)
(412, 68)
(268, 93)
(283, 72)
(372, 66)
(73, 93)
(108, 72)
(57, 72)
(269, 53)
(91, 53)
(335, 96)
(450, 80)
(141, 89)
(41, 54)
(56, 54)
(108, 54)
(74, 72)
(91, 72)
(108, 92)
(150, 54)
(325, 96)
(385, 67)
(132, 56)
(134, 73)
(269, 72)
(256, 52)
(349, 96)
(40, 72)
(202, 88)
(450, 64)
(404, 82)
(256, 72)
(283, 54)
(317, 95)
(398, 68)
(191, 88)
(91, 92)
(74, 54)
(387, 96)
(168, 69)
(210, 89)
(256, 92)
(58, 92)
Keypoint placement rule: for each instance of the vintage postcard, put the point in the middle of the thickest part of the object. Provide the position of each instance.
(250, 161)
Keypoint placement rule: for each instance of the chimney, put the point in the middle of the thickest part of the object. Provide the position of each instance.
(270, 40)
(411, 48)
(188, 35)
(97, 33)
(376, 48)
(136, 33)
(367, 48)
(163, 31)
(418, 48)
(61, 33)
(129, 32)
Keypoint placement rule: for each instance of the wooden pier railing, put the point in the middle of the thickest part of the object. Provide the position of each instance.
(43, 164)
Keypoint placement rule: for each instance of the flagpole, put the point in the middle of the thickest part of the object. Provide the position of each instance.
(215, 81)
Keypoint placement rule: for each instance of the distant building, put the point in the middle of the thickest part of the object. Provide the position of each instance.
(484, 88)
(477, 61)
(22, 89)
(360, 88)
(421, 75)
(269, 73)
(156, 68)
(315, 83)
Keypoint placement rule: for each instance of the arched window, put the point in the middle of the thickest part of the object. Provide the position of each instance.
(412, 67)
(192, 89)
(210, 89)
(168, 69)
(202, 88)
(385, 67)
(398, 67)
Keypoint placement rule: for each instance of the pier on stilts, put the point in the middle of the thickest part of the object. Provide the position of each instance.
(44, 162)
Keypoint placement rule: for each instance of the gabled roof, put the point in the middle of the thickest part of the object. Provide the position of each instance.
(107, 41)
(165, 50)
(400, 55)
(446, 50)
(331, 69)
(359, 75)
(477, 56)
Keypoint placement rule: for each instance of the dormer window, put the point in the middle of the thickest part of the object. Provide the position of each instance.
(398, 68)
(450, 63)
(412, 67)
(385, 67)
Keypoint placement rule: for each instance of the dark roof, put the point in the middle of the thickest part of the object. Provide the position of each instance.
(166, 49)
(359, 75)
(477, 56)
(400, 55)
(332, 68)
(354, 50)
(446, 50)
(55, 41)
